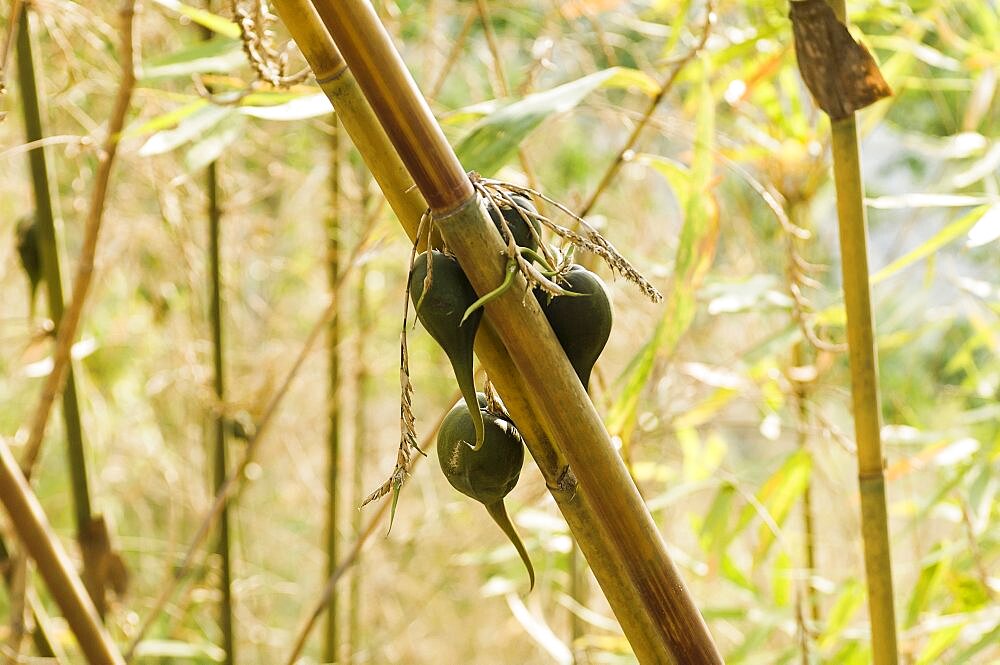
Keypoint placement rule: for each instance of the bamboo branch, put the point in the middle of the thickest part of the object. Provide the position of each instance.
(335, 395)
(654, 103)
(219, 462)
(605, 512)
(85, 267)
(54, 565)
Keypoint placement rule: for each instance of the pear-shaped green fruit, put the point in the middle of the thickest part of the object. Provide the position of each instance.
(488, 474)
(518, 227)
(440, 309)
(582, 323)
(31, 257)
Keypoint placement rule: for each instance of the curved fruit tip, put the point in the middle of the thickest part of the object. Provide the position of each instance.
(499, 514)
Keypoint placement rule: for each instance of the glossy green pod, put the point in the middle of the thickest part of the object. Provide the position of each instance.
(31, 257)
(582, 323)
(488, 474)
(518, 227)
(440, 310)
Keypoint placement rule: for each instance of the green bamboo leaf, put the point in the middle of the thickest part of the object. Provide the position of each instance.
(931, 578)
(940, 639)
(848, 602)
(777, 496)
(215, 55)
(189, 129)
(175, 649)
(677, 175)
(300, 108)
(990, 639)
(213, 22)
(781, 580)
(715, 532)
(166, 120)
(210, 147)
(495, 138)
(735, 574)
(695, 253)
(953, 231)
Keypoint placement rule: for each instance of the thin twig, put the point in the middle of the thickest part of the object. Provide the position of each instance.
(85, 267)
(233, 481)
(665, 87)
(503, 88)
(13, 19)
(69, 139)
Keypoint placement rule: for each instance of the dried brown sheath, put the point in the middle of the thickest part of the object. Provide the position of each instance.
(840, 72)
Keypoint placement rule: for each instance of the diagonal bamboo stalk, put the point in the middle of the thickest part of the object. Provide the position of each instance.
(864, 381)
(54, 565)
(604, 512)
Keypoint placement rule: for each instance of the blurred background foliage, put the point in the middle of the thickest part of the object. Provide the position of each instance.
(729, 416)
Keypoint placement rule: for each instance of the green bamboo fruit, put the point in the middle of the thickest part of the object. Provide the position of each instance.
(488, 474)
(441, 309)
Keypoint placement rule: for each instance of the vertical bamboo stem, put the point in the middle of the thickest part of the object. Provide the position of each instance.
(864, 389)
(219, 464)
(333, 231)
(54, 565)
(362, 385)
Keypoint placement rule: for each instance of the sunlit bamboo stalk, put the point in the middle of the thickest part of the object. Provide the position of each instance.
(54, 565)
(49, 251)
(219, 415)
(605, 512)
(864, 381)
(864, 389)
(219, 463)
(331, 641)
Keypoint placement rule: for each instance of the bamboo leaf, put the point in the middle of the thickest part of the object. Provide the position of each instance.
(946, 235)
(189, 129)
(931, 578)
(167, 120)
(940, 640)
(777, 496)
(695, 253)
(209, 148)
(213, 22)
(495, 138)
(848, 602)
(175, 649)
(216, 55)
(301, 108)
